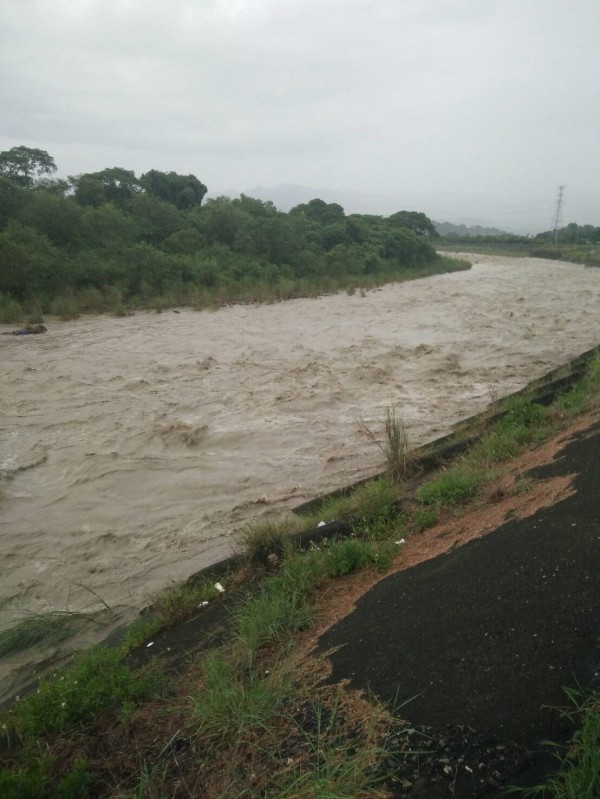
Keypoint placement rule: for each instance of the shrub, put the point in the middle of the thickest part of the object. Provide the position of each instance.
(10, 310)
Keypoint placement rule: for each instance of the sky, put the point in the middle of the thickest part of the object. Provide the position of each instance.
(467, 110)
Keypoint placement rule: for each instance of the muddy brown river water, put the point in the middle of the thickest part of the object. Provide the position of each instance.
(134, 448)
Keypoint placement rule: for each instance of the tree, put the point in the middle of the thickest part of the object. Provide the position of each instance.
(109, 185)
(415, 221)
(182, 191)
(22, 165)
(321, 212)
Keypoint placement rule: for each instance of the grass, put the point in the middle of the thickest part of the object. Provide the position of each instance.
(77, 696)
(180, 602)
(269, 537)
(374, 501)
(578, 776)
(234, 703)
(346, 556)
(453, 487)
(113, 299)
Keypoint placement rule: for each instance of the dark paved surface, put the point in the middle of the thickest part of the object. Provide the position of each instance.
(489, 634)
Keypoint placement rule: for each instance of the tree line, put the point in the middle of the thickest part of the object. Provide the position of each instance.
(109, 241)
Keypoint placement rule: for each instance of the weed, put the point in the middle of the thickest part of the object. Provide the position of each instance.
(394, 445)
(233, 702)
(44, 629)
(180, 602)
(269, 537)
(579, 773)
(334, 767)
(66, 307)
(348, 555)
(373, 501)
(573, 401)
(422, 518)
(453, 487)
(277, 612)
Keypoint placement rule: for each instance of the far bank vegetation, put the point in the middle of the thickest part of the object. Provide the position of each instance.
(111, 241)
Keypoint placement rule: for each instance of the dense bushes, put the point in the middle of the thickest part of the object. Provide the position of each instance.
(106, 238)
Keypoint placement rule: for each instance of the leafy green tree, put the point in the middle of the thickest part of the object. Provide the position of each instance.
(154, 219)
(109, 185)
(12, 199)
(57, 217)
(414, 220)
(321, 212)
(29, 264)
(182, 191)
(185, 242)
(254, 207)
(106, 229)
(222, 222)
(22, 165)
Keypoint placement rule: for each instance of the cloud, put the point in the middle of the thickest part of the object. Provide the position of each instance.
(469, 96)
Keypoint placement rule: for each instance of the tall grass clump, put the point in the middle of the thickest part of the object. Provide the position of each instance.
(233, 701)
(349, 554)
(453, 487)
(66, 307)
(337, 765)
(523, 422)
(176, 603)
(393, 443)
(42, 629)
(269, 537)
(283, 606)
(376, 500)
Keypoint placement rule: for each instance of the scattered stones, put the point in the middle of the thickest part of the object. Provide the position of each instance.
(454, 761)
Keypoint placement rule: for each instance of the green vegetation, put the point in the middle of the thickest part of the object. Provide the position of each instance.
(111, 242)
(454, 487)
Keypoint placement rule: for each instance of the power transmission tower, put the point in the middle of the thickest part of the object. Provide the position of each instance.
(558, 220)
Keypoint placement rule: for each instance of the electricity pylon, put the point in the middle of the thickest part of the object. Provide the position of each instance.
(557, 220)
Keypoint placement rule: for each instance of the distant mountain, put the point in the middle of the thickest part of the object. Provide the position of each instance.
(449, 229)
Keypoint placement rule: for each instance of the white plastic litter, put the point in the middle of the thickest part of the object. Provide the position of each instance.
(400, 541)
(219, 588)
(321, 524)
(150, 644)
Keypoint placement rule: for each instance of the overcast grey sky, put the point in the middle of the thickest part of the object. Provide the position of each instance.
(465, 108)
